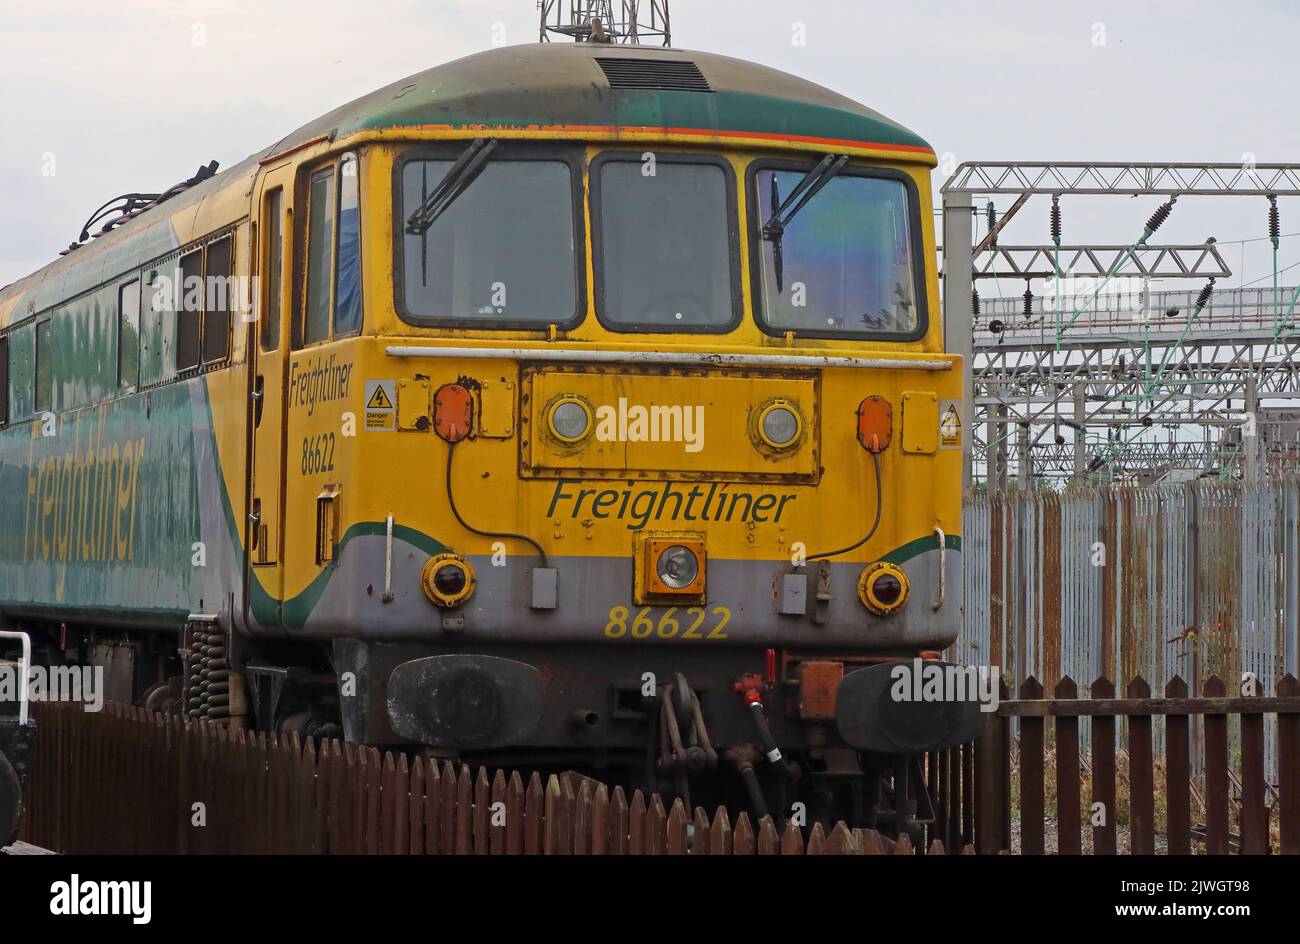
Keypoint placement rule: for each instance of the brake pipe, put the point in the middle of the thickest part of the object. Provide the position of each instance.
(754, 701)
(742, 757)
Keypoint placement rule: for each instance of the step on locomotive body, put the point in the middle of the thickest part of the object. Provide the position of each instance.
(559, 407)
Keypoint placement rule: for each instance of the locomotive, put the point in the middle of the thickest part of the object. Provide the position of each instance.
(563, 406)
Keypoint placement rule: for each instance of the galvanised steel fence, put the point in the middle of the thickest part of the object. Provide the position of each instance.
(1193, 580)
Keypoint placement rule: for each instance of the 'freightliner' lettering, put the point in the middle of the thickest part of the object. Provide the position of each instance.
(670, 501)
(318, 380)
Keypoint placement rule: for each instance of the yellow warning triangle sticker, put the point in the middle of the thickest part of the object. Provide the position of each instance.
(379, 400)
(950, 425)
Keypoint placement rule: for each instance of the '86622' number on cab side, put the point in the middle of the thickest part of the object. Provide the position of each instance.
(695, 622)
(318, 454)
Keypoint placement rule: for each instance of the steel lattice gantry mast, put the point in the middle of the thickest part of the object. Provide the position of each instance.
(1103, 385)
(634, 22)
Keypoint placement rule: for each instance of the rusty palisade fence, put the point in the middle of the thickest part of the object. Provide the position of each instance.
(1188, 581)
(129, 781)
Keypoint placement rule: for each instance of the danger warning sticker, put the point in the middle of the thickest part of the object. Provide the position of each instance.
(950, 424)
(381, 409)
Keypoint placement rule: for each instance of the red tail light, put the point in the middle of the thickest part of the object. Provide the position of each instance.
(453, 412)
(875, 424)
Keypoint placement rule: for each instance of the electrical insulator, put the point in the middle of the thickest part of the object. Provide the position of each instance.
(1274, 223)
(1203, 298)
(1029, 302)
(1160, 215)
(1056, 219)
(991, 214)
(975, 301)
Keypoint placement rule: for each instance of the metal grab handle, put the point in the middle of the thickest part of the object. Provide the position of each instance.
(938, 603)
(25, 667)
(388, 560)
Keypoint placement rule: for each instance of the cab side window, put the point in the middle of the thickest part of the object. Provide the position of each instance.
(274, 262)
(347, 278)
(320, 242)
(332, 301)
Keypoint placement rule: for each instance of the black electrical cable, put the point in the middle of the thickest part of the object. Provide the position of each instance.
(875, 462)
(451, 501)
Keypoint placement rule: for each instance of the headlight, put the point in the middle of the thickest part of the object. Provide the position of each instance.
(779, 425)
(669, 567)
(570, 419)
(677, 567)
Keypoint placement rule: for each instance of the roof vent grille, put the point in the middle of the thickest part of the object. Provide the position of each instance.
(676, 75)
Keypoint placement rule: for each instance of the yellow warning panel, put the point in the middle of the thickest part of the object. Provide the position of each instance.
(381, 414)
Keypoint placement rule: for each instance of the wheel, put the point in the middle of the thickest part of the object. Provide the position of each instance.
(11, 802)
(159, 697)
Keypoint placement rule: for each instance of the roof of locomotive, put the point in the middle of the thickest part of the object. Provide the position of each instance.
(542, 86)
(562, 86)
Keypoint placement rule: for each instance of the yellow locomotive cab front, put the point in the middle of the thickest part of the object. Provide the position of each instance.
(703, 448)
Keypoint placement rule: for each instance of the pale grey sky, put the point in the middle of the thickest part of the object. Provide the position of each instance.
(136, 94)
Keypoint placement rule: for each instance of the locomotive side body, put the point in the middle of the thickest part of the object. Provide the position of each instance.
(120, 469)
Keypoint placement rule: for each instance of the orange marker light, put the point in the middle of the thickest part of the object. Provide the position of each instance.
(875, 424)
(453, 412)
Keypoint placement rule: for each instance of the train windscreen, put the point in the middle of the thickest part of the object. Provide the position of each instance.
(502, 252)
(840, 265)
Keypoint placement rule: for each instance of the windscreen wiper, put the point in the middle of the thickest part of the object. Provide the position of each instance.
(455, 182)
(783, 211)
